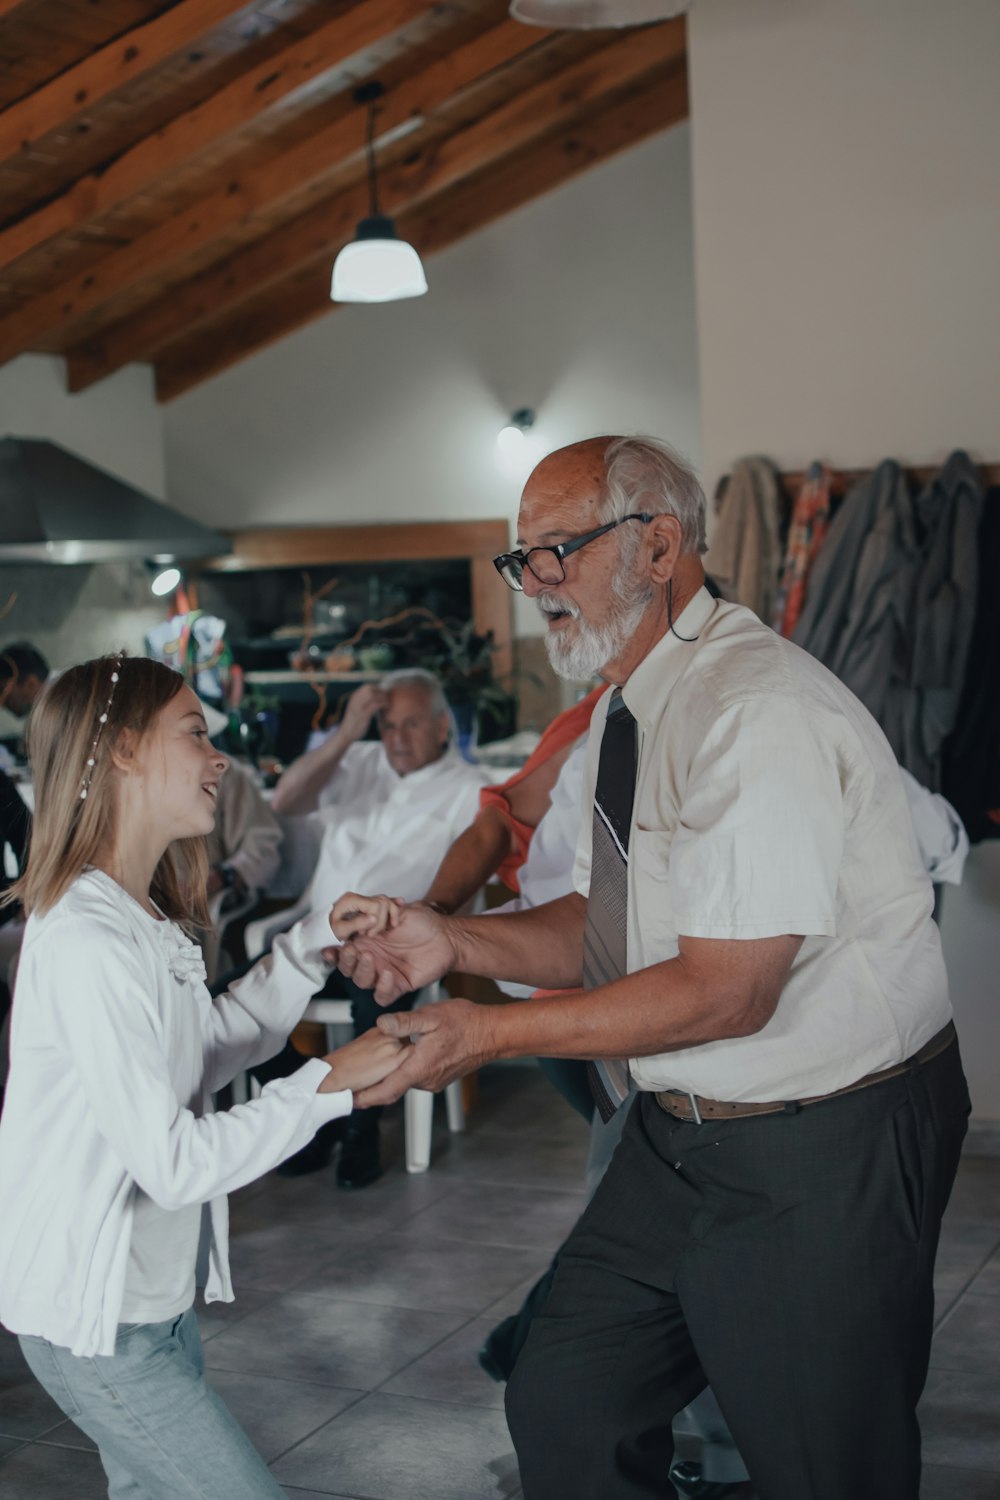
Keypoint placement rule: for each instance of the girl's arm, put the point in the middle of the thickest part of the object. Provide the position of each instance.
(115, 1050)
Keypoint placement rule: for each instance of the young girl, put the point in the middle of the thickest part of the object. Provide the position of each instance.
(113, 1169)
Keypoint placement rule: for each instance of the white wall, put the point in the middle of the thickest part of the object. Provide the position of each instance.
(116, 424)
(580, 305)
(71, 613)
(846, 159)
(847, 228)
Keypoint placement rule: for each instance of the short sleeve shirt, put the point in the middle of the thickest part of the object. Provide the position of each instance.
(769, 802)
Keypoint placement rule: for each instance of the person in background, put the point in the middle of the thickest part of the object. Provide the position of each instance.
(244, 847)
(23, 673)
(753, 931)
(389, 810)
(114, 1166)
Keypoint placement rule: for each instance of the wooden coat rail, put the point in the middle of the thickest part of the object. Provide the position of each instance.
(793, 479)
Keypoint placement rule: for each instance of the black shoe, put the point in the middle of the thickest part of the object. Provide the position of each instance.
(686, 1480)
(314, 1156)
(495, 1355)
(360, 1161)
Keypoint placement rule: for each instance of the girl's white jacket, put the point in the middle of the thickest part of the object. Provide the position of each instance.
(116, 1049)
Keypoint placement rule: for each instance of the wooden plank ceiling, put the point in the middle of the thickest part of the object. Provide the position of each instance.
(176, 180)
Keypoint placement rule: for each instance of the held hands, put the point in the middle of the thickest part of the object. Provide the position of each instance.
(353, 915)
(413, 949)
(448, 1039)
(362, 1063)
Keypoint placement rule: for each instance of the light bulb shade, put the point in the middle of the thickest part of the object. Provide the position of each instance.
(377, 266)
(584, 15)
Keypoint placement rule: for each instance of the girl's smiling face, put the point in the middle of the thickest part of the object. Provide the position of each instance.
(180, 769)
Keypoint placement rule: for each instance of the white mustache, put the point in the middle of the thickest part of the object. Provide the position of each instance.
(552, 604)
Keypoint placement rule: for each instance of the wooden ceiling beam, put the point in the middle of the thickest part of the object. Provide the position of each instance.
(659, 101)
(320, 232)
(181, 139)
(119, 62)
(261, 188)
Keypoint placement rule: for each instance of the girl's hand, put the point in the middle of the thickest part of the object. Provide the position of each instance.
(354, 916)
(364, 1062)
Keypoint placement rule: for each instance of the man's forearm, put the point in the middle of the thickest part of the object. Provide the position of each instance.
(472, 859)
(542, 947)
(300, 785)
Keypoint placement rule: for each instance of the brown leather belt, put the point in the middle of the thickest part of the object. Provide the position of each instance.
(693, 1108)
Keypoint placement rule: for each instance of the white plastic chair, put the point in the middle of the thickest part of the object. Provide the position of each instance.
(418, 1104)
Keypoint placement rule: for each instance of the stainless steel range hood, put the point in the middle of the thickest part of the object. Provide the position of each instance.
(56, 507)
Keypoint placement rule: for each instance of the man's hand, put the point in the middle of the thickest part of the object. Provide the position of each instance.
(449, 1039)
(415, 951)
(359, 1064)
(362, 706)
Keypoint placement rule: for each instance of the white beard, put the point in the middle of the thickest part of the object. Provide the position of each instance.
(584, 655)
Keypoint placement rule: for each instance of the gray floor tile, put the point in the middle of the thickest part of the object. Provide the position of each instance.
(958, 1418)
(38, 1473)
(315, 1337)
(964, 1249)
(68, 1435)
(26, 1411)
(445, 1273)
(277, 1256)
(969, 1337)
(277, 1414)
(519, 1217)
(214, 1317)
(451, 1372)
(394, 1448)
(9, 1445)
(987, 1283)
(939, 1483)
(511, 1301)
(976, 1194)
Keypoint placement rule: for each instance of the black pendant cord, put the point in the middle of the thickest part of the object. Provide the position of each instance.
(688, 639)
(370, 151)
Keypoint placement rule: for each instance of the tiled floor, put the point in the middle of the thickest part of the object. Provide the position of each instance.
(350, 1354)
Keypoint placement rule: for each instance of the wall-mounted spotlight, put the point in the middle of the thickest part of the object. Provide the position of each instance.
(514, 450)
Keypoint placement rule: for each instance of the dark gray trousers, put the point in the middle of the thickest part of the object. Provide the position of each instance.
(788, 1260)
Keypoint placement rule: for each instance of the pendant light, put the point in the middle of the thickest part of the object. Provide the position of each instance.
(377, 266)
(583, 15)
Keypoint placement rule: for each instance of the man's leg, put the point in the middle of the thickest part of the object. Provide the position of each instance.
(789, 1259)
(810, 1301)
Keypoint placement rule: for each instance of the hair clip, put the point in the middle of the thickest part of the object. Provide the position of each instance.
(102, 719)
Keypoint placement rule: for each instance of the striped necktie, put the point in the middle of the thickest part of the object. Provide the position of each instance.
(605, 940)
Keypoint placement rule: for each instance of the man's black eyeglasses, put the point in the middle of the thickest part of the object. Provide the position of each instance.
(546, 563)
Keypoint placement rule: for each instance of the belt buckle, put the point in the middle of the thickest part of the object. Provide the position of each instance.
(695, 1111)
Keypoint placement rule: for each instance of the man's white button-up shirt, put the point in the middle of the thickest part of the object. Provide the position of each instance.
(769, 802)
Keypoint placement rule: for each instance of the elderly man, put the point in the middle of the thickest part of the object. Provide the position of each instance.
(389, 811)
(752, 928)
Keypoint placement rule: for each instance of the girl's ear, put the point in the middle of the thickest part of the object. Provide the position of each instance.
(124, 750)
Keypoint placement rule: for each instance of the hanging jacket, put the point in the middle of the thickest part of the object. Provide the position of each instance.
(810, 518)
(858, 609)
(971, 779)
(944, 608)
(744, 556)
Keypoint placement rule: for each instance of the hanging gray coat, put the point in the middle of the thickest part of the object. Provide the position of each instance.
(857, 614)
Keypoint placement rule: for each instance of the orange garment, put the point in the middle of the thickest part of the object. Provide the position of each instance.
(565, 729)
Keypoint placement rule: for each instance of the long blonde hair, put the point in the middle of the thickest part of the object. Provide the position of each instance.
(69, 831)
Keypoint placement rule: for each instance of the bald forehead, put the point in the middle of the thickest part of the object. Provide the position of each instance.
(564, 489)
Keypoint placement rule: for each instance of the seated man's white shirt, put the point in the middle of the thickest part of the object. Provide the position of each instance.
(386, 834)
(769, 802)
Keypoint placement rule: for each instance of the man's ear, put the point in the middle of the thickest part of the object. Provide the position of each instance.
(665, 539)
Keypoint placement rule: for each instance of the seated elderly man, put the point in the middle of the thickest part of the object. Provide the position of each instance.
(390, 809)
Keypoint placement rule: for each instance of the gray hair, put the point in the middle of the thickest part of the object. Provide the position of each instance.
(645, 474)
(418, 677)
